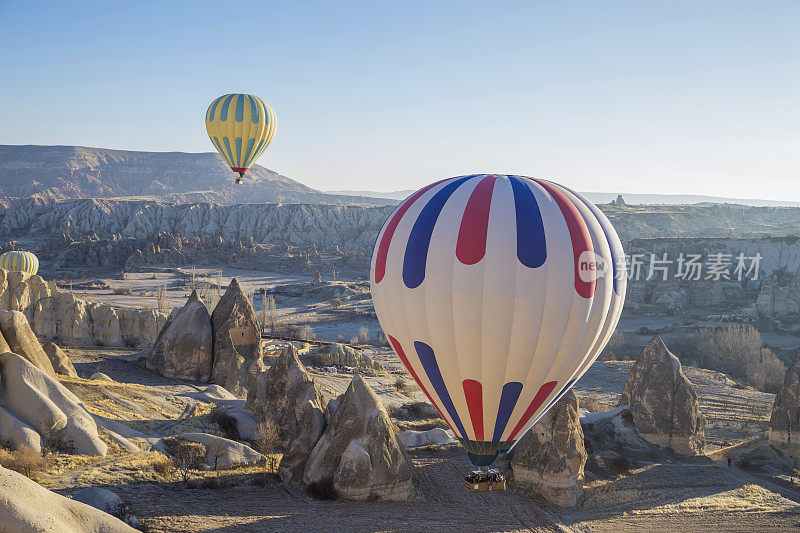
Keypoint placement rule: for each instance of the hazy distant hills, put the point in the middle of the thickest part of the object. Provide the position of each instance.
(607, 197)
(69, 172)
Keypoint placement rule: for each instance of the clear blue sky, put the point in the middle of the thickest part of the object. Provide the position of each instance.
(660, 97)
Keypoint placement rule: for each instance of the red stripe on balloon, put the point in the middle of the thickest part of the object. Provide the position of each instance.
(578, 234)
(538, 400)
(471, 246)
(474, 396)
(386, 238)
(398, 349)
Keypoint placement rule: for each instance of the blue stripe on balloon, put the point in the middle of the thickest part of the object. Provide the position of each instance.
(213, 109)
(531, 242)
(219, 147)
(238, 151)
(246, 160)
(254, 113)
(228, 150)
(240, 108)
(223, 113)
(508, 400)
(266, 111)
(431, 367)
(416, 255)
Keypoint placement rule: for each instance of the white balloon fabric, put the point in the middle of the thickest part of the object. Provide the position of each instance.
(497, 292)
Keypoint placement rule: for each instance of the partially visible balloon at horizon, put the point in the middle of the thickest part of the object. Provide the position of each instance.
(497, 292)
(20, 262)
(240, 127)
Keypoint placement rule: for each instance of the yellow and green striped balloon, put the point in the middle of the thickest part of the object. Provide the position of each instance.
(240, 127)
(20, 261)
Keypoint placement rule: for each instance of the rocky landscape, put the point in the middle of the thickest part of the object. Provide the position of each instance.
(184, 362)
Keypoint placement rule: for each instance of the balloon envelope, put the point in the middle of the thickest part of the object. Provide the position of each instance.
(240, 127)
(497, 293)
(20, 262)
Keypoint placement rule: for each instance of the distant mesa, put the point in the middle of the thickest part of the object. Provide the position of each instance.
(51, 173)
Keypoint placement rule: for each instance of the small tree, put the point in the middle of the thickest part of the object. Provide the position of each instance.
(217, 449)
(186, 455)
(363, 335)
(307, 333)
(266, 437)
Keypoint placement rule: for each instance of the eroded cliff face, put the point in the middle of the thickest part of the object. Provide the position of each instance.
(766, 283)
(58, 315)
(296, 224)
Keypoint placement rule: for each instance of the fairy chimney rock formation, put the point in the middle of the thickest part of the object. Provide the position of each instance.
(236, 342)
(183, 347)
(549, 459)
(784, 424)
(360, 451)
(286, 397)
(663, 402)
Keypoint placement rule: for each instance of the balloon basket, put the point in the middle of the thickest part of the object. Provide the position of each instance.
(485, 480)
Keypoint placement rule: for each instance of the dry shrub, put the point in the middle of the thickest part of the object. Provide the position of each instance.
(266, 437)
(736, 350)
(336, 303)
(24, 460)
(162, 466)
(363, 335)
(187, 455)
(323, 489)
(55, 444)
(382, 340)
(123, 291)
(307, 333)
(401, 386)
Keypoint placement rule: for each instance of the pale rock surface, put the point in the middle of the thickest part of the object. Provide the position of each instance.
(57, 314)
(20, 338)
(287, 397)
(429, 437)
(60, 361)
(233, 453)
(183, 347)
(236, 364)
(344, 355)
(549, 459)
(663, 402)
(108, 502)
(27, 506)
(47, 407)
(360, 451)
(784, 423)
(17, 432)
(99, 376)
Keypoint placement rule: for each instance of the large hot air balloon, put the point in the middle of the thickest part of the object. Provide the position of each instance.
(240, 127)
(497, 293)
(20, 262)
